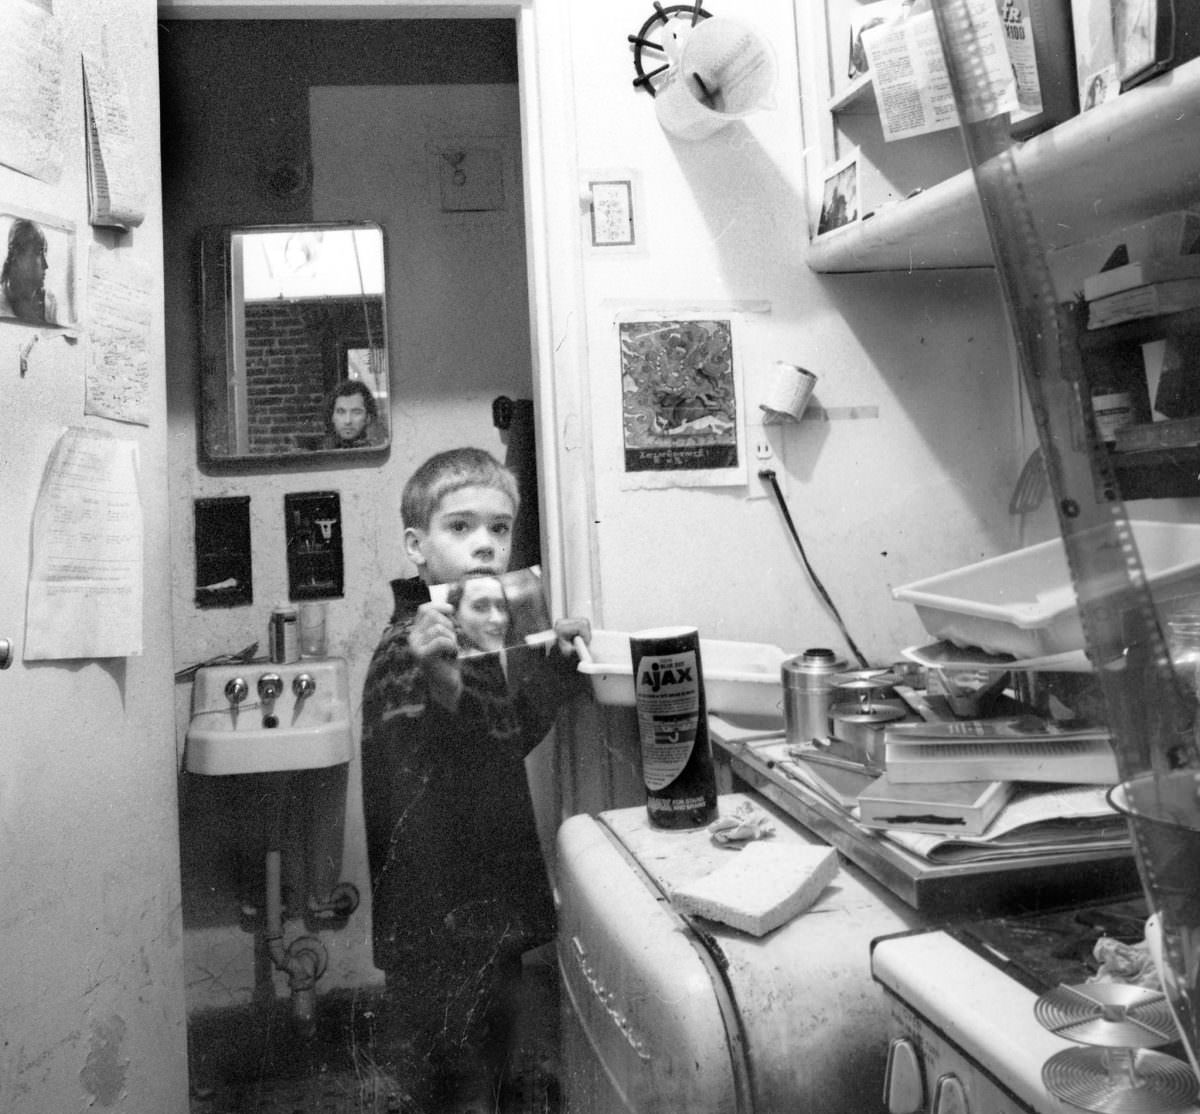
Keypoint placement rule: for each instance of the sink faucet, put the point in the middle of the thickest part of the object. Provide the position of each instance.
(304, 685)
(236, 690)
(270, 685)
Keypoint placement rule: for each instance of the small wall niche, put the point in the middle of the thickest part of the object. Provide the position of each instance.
(222, 543)
(314, 544)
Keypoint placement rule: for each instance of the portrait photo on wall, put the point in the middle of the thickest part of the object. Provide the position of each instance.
(37, 277)
(839, 200)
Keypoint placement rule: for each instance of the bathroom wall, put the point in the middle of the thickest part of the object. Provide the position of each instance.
(92, 1011)
(366, 105)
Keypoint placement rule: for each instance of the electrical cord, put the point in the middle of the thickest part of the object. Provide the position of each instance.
(768, 474)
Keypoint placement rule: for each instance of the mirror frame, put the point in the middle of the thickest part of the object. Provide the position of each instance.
(218, 333)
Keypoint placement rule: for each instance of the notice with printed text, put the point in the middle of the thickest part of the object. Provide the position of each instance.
(911, 79)
(85, 586)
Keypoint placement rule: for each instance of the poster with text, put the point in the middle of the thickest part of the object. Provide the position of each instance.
(679, 403)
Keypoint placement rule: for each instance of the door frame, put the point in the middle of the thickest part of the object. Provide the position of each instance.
(555, 281)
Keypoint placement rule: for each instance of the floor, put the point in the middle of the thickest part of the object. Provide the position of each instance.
(257, 1061)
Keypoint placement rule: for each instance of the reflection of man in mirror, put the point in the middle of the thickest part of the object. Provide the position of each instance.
(23, 291)
(351, 416)
(480, 612)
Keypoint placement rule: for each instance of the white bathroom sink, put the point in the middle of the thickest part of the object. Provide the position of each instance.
(241, 729)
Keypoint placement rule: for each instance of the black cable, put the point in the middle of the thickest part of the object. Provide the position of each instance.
(768, 474)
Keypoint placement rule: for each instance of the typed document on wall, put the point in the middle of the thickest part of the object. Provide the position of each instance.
(85, 586)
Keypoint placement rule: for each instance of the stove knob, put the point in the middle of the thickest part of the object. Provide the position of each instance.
(950, 1096)
(904, 1086)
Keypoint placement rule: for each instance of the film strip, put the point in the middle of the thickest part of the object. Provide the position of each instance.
(1151, 719)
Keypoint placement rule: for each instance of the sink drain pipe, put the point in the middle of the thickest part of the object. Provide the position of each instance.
(304, 960)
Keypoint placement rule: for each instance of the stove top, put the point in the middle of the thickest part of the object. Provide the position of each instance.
(1048, 948)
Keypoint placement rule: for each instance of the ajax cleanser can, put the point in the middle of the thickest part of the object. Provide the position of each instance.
(677, 764)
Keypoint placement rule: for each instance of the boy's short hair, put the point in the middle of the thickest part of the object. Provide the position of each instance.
(449, 471)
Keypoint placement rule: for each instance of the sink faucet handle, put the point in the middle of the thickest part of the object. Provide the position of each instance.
(304, 685)
(236, 690)
(270, 685)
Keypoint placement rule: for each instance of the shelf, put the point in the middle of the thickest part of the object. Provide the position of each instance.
(859, 95)
(1140, 330)
(1117, 164)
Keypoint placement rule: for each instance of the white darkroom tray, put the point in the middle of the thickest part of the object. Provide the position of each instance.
(1024, 603)
(740, 678)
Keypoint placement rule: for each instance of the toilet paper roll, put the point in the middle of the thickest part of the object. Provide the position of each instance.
(789, 391)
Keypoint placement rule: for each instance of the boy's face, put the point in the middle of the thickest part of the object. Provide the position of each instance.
(470, 533)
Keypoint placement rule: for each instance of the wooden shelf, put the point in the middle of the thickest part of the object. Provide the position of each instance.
(1117, 164)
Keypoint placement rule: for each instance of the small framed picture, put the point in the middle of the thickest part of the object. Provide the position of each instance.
(839, 199)
(611, 213)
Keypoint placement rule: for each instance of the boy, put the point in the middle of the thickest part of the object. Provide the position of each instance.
(459, 887)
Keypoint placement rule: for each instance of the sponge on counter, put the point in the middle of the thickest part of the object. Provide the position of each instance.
(762, 886)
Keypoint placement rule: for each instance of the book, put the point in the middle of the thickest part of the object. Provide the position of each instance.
(1141, 273)
(1016, 748)
(1150, 300)
(956, 807)
(1036, 821)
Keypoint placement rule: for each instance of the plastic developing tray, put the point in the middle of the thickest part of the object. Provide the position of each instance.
(1023, 603)
(740, 678)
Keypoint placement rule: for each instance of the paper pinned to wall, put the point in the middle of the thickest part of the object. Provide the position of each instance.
(116, 186)
(118, 335)
(912, 83)
(85, 595)
(32, 115)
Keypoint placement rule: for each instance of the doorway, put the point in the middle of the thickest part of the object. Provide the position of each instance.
(248, 108)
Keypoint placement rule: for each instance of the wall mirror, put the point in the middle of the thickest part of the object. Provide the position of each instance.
(293, 333)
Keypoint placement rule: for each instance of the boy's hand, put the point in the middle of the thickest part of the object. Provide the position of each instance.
(434, 644)
(567, 630)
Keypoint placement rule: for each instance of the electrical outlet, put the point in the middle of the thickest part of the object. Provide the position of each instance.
(763, 446)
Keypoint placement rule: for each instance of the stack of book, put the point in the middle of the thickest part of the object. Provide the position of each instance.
(1159, 285)
(998, 787)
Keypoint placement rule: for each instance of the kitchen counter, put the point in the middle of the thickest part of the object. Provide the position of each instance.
(745, 751)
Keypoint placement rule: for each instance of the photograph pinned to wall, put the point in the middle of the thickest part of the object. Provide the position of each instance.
(840, 198)
(1095, 52)
(680, 401)
(37, 277)
(863, 18)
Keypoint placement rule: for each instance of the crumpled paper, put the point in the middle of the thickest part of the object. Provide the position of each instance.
(743, 824)
(1125, 963)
